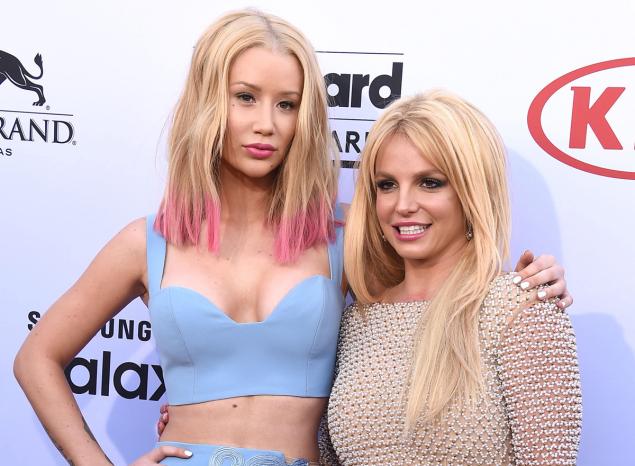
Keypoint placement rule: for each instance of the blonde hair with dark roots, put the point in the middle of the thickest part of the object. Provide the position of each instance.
(301, 207)
(463, 144)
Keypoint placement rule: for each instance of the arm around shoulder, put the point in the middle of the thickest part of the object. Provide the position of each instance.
(114, 278)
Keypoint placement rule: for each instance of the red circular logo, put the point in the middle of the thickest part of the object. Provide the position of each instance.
(584, 115)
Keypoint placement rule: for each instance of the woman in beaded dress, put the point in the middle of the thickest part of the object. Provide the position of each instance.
(443, 360)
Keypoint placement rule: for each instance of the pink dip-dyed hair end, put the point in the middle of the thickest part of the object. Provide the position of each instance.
(304, 230)
(180, 223)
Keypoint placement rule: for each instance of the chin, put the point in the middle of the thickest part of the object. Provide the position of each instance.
(412, 253)
(415, 257)
(259, 169)
(257, 174)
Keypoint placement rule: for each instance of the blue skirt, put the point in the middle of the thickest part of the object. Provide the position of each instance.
(216, 455)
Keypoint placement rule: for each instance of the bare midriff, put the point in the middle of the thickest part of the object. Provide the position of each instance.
(282, 423)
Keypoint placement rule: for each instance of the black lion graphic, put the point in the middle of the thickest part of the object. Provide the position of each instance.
(11, 68)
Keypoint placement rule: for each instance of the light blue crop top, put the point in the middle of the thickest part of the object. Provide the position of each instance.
(206, 355)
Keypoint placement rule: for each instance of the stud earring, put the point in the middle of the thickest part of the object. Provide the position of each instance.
(469, 234)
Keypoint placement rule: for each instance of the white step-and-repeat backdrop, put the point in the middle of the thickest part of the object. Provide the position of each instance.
(557, 78)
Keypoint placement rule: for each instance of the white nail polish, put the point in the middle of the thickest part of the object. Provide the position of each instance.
(516, 280)
(524, 285)
(188, 453)
(542, 294)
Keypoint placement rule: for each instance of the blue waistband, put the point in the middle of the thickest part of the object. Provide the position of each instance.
(217, 455)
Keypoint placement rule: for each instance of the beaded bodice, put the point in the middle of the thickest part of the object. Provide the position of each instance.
(529, 412)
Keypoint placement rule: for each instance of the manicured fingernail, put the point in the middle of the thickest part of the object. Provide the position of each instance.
(164, 416)
(542, 294)
(188, 453)
(516, 280)
(524, 285)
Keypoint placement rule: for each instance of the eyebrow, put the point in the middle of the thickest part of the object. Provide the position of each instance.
(258, 89)
(421, 174)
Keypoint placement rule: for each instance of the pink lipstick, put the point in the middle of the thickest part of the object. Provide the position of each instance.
(260, 151)
(410, 231)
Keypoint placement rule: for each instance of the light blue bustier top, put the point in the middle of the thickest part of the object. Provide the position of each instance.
(206, 355)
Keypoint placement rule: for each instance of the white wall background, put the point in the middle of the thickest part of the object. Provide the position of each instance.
(117, 67)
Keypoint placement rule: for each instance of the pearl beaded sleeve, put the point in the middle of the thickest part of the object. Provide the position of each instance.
(327, 453)
(541, 385)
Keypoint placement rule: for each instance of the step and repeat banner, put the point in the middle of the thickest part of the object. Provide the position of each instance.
(86, 90)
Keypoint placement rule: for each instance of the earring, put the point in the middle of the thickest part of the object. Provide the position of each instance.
(469, 234)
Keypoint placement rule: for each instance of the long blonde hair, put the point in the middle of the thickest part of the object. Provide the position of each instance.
(302, 198)
(462, 143)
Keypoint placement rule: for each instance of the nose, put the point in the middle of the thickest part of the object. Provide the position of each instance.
(264, 120)
(406, 203)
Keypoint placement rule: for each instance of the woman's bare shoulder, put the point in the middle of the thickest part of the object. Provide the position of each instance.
(126, 249)
(132, 236)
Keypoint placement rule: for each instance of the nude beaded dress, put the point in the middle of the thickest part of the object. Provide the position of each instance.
(529, 414)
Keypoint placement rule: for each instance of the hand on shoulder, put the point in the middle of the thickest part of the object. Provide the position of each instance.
(507, 302)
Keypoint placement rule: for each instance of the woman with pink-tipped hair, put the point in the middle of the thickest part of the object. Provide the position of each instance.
(241, 268)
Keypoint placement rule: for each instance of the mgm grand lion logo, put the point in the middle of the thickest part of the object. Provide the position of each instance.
(14, 71)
